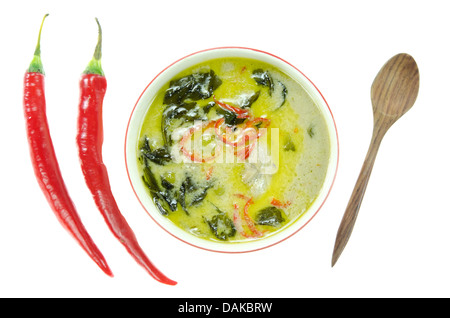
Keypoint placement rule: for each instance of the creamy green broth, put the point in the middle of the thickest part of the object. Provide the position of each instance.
(210, 181)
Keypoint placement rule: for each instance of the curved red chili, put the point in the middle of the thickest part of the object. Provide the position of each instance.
(192, 155)
(245, 137)
(45, 164)
(89, 142)
(247, 218)
(241, 113)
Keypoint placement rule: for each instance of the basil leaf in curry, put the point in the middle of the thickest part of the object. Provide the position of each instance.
(263, 78)
(192, 87)
(271, 216)
(160, 156)
(175, 116)
(221, 226)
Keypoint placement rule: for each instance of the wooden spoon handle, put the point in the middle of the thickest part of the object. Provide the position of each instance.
(351, 212)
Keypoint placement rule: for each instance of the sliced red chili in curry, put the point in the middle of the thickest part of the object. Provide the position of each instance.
(241, 113)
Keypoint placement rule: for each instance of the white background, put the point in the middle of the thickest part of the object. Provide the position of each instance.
(400, 245)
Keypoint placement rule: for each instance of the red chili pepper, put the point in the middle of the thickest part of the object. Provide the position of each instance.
(45, 164)
(89, 142)
(241, 113)
(244, 135)
(209, 173)
(247, 218)
(192, 155)
(243, 197)
(245, 152)
(279, 204)
(249, 221)
(238, 222)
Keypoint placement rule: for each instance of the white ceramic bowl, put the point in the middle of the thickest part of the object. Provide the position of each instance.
(142, 106)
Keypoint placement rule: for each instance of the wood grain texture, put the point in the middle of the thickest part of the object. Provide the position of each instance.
(394, 92)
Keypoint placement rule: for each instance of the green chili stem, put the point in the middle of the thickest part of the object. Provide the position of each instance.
(36, 63)
(95, 65)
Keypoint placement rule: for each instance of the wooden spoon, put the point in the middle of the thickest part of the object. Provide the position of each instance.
(393, 93)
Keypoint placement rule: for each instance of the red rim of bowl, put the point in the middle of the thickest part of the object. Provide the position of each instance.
(259, 248)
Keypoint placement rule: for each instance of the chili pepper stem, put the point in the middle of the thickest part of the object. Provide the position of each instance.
(95, 64)
(36, 63)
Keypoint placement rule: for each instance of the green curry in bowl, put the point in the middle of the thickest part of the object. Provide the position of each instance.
(233, 149)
